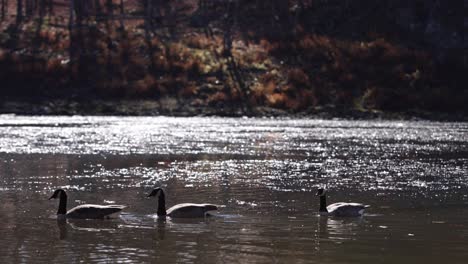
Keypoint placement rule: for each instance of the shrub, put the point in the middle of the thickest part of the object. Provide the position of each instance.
(198, 42)
(277, 100)
(217, 98)
(298, 78)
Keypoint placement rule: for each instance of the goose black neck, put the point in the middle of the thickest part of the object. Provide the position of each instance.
(323, 203)
(161, 204)
(63, 204)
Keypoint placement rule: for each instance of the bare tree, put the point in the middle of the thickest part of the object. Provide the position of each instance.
(43, 7)
(29, 7)
(19, 11)
(109, 7)
(121, 7)
(71, 19)
(4, 8)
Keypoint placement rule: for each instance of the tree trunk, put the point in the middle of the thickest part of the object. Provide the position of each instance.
(148, 15)
(42, 8)
(19, 11)
(71, 18)
(122, 11)
(97, 7)
(3, 9)
(50, 4)
(109, 7)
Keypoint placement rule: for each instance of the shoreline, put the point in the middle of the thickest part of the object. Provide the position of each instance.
(296, 65)
(183, 108)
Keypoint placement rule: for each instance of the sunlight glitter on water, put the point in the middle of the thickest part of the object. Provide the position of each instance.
(210, 135)
(263, 171)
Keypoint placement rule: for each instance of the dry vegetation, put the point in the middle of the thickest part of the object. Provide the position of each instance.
(336, 71)
(294, 72)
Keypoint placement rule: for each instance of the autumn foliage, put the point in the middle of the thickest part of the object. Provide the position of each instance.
(275, 60)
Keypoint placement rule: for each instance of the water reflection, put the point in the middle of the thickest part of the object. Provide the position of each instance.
(86, 225)
(341, 228)
(265, 172)
(62, 226)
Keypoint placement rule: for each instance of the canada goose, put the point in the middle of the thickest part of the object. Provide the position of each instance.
(84, 211)
(183, 210)
(339, 209)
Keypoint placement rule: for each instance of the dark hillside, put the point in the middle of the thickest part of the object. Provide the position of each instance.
(343, 57)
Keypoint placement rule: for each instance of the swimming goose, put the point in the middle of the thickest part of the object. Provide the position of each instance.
(183, 210)
(84, 211)
(339, 209)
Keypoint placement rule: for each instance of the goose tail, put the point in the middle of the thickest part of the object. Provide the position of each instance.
(121, 207)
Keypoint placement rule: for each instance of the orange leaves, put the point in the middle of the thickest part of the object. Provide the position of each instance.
(338, 71)
(199, 41)
(298, 78)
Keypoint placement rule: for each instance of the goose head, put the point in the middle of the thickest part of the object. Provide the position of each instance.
(155, 192)
(321, 191)
(161, 200)
(59, 193)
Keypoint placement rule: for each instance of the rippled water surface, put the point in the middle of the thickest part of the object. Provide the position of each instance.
(264, 172)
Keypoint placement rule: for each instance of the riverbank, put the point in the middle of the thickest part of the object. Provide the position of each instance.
(173, 107)
(257, 59)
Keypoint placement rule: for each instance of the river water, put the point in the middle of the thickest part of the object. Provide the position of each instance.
(263, 172)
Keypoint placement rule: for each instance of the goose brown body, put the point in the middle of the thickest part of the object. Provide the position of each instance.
(340, 209)
(183, 210)
(84, 211)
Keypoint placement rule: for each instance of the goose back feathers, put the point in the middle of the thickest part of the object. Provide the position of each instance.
(84, 211)
(183, 210)
(340, 209)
